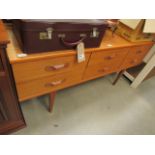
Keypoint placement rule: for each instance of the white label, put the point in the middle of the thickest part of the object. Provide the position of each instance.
(80, 52)
(22, 55)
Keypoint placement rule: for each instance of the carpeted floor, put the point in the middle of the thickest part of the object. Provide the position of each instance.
(95, 107)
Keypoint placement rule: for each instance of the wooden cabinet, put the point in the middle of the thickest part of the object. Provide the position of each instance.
(11, 117)
(42, 73)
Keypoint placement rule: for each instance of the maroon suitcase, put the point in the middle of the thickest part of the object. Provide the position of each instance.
(49, 35)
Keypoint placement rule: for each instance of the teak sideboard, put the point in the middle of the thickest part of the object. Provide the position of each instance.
(43, 73)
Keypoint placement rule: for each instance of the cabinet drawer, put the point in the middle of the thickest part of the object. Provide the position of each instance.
(45, 85)
(108, 57)
(135, 56)
(35, 69)
(98, 70)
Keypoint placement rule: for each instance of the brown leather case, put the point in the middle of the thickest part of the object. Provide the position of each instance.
(48, 35)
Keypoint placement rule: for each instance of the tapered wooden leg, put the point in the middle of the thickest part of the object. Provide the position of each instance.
(118, 77)
(51, 100)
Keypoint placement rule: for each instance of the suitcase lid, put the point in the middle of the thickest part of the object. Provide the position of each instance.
(62, 24)
(71, 21)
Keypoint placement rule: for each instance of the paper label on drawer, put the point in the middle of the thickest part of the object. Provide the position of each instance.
(80, 52)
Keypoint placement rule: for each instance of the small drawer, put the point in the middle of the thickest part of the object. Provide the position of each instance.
(98, 70)
(132, 62)
(45, 85)
(108, 57)
(135, 56)
(46, 67)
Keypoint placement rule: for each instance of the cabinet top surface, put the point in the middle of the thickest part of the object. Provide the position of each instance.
(109, 42)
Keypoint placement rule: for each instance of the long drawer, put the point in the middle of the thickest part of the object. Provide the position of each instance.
(31, 70)
(48, 84)
(135, 56)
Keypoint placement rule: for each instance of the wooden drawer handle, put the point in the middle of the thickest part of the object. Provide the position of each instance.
(54, 83)
(139, 52)
(56, 67)
(104, 69)
(134, 61)
(110, 57)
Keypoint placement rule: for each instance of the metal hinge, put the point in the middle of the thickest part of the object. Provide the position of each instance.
(46, 35)
(95, 33)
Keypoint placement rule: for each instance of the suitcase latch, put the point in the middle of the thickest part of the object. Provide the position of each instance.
(94, 33)
(46, 35)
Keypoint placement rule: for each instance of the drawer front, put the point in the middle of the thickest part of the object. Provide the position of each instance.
(108, 57)
(135, 56)
(45, 85)
(36, 69)
(98, 70)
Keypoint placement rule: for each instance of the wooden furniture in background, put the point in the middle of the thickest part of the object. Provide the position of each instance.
(43, 73)
(11, 117)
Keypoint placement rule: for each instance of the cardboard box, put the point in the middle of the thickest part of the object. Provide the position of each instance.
(135, 30)
(149, 26)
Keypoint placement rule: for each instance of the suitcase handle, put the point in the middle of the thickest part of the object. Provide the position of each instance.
(72, 43)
